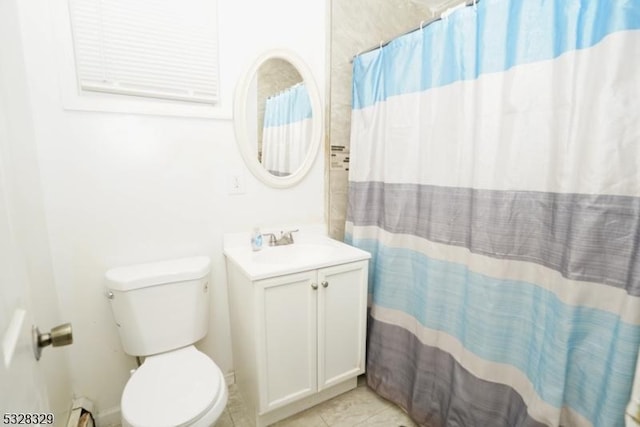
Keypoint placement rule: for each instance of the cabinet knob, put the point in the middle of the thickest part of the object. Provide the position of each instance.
(325, 284)
(314, 286)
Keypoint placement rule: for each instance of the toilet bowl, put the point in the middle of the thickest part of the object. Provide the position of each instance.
(177, 388)
(161, 309)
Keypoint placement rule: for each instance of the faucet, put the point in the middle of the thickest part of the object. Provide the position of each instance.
(286, 238)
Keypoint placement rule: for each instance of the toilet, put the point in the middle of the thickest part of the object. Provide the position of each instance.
(161, 309)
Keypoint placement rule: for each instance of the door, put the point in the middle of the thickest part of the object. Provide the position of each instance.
(287, 341)
(22, 386)
(23, 249)
(342, 318)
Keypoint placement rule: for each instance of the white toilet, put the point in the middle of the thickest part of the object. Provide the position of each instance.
(161, 309)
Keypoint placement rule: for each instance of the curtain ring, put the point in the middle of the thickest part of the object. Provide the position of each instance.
(421, 25)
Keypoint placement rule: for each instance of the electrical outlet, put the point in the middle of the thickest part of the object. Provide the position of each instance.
(237, 184)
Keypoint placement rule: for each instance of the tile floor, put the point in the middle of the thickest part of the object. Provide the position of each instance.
(359, 407)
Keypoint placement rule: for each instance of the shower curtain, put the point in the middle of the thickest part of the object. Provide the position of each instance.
(495, 179)
(287, 130)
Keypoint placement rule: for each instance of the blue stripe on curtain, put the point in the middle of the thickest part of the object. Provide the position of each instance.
(489, 45)
(289, 106)
(514, 323)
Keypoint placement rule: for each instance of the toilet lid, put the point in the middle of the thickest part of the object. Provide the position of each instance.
(171, 389)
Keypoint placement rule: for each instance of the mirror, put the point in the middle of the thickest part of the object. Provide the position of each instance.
(278, 118)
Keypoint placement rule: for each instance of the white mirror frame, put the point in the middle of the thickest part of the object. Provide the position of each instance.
(240, 122)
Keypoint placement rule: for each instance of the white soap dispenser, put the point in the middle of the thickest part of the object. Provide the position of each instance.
(256, 239)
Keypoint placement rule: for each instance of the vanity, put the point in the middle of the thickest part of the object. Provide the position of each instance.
(297, 310)
(298, 321)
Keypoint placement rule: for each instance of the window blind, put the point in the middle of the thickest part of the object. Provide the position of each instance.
(154, 48)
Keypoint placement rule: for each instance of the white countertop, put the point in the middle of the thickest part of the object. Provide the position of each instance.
(311, 250)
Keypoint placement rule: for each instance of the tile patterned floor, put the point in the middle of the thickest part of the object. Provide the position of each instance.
(359, 407)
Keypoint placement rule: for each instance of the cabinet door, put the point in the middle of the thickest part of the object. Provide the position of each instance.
(342, 305)
(288, 345)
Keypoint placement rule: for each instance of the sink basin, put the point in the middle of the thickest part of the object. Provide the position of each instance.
(292, 254)
(271, 261)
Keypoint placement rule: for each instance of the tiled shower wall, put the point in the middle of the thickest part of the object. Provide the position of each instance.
(356, 25)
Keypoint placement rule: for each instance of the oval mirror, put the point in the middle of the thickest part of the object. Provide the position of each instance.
(278, 118)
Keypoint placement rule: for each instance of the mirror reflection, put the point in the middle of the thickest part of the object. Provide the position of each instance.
(279, 117)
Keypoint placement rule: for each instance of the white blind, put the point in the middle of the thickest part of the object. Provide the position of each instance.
(154, 48)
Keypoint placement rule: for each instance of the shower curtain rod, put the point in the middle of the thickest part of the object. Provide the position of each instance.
(423, 24)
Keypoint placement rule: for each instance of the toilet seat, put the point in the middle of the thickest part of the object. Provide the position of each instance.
(173, 389)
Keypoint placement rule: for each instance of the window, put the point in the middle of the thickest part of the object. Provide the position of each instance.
(152, 48)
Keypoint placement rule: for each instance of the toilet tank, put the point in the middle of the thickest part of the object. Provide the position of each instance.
(160, 306)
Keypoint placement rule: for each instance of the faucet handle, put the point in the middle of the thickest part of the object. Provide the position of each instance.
(289, 235)
(272, 238)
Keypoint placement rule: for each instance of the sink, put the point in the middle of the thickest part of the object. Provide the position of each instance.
(292, 254)
(305, 254)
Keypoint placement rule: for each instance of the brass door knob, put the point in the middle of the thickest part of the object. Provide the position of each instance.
(59, 336)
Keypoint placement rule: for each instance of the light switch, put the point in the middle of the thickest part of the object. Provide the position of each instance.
(237, 184)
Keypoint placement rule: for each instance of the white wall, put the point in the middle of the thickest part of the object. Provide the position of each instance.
(122, 188)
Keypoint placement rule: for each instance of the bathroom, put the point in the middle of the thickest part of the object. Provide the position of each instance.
(111, 182)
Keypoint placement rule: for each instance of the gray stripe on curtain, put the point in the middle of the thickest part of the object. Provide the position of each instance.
(593, 238)
(433, 388)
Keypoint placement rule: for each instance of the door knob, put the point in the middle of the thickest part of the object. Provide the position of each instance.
(59, 336)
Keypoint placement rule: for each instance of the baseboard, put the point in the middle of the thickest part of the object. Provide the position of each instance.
(108, 418)
(79, 406)
(230, 378)
(74, 417)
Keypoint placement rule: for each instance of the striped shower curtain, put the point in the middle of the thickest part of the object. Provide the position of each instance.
(287, 130)
(495, 178)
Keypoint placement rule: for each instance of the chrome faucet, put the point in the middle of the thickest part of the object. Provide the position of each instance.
(286, 238)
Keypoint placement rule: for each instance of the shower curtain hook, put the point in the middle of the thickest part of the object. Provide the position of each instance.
(445, 15)
(421, 25)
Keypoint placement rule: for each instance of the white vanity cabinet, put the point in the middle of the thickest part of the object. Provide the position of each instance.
(298, 338)
(311, 330)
